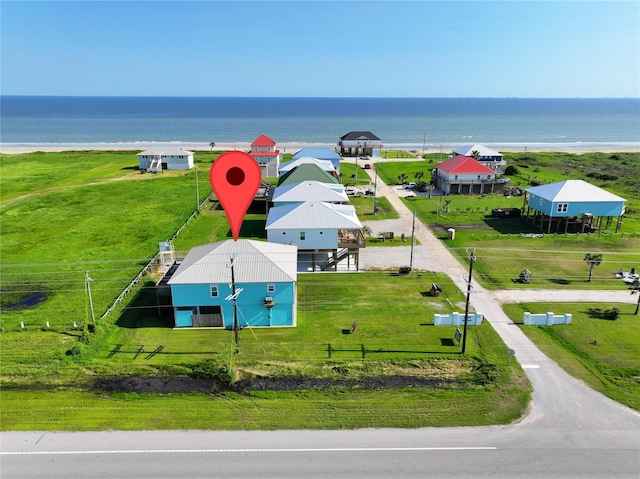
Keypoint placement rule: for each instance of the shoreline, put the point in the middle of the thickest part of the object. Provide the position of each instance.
(292, 147)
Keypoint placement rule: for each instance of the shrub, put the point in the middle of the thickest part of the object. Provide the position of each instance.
(212, 369)
(511, 170)
(612, 314)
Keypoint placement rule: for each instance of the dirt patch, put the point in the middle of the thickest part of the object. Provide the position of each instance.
(134, 384)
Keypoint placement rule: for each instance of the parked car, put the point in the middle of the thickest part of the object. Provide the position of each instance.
(350, 191)
(367, 166)
(410, 186)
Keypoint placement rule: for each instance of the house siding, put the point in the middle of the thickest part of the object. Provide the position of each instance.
(314, 239)
(250, 303)
(575, 208)
(173, 162)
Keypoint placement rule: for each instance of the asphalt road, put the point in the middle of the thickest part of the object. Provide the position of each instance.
(570, 431)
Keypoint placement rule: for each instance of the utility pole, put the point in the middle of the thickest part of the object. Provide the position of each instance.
(472, 258)
(375, 191)
(413, 230)
(87, 282)
(234, 296)
(197, 190)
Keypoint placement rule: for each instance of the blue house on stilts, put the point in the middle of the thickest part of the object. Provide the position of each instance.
(264, 280)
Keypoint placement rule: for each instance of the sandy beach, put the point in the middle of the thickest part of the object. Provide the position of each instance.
(296, 146)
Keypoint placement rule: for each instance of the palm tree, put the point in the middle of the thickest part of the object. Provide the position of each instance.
(212, 144)
(635, 289)
(418, 176)
(403, 178)
(475, 154)
(593, 260)
(430, 189)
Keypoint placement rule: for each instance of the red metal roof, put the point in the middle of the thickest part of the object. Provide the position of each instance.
(463, 165)
(263, 140)
(264, 153)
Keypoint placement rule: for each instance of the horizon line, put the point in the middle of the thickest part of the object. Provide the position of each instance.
(334, 97)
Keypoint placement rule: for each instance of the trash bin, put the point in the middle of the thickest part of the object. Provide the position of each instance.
(451, 233)
(435, 290)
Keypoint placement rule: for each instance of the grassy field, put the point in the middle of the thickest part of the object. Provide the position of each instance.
(555, 260)
(397, 344)
(602, 353)
(110, 224)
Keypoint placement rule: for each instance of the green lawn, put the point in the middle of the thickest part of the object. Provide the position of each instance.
(392, 313)
(98, 214)
(600, 352)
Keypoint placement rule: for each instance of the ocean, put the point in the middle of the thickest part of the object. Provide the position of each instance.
(399, 122)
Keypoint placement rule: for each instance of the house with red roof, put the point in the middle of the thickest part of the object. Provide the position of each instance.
(263, 150)
(462, 175)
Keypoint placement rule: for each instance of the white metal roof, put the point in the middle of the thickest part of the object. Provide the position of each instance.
(573, 190)
(310, 191)
(253, 261)
(313, 215)
(481, 149)
(165, 151)
(326, 165)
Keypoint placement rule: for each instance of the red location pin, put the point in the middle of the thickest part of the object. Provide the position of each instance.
(235, 178)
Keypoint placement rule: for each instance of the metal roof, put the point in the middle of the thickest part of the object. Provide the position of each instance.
(313, 215)
(310, 191)
(306, 172)
(319, 153)
(253, 261)
(263, 140)
(326, 165)
(464, 165)
(481, 149)
(573, 190)
(360, 135)
(165, 151)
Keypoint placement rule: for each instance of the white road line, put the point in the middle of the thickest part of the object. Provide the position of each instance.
(221, 451)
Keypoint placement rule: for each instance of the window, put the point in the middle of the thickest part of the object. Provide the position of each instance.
(271, 288)
(214, 291)
(210, 310)
(562, 207)
(479, 177)
(303, 236)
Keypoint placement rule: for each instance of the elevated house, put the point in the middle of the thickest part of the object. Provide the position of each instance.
(309, 191)
(463, 175)
(572, 205)
(360, 143)
(488, 157)
(263, 150)
(325, 165)
(324, 233)
(262, 275)
(165, 158)
(307, 172)
(321, 154)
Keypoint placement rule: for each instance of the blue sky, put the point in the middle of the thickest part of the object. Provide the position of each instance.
(315, 49)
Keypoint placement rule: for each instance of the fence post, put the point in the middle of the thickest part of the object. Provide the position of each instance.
(329, 350)
(363, 350)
